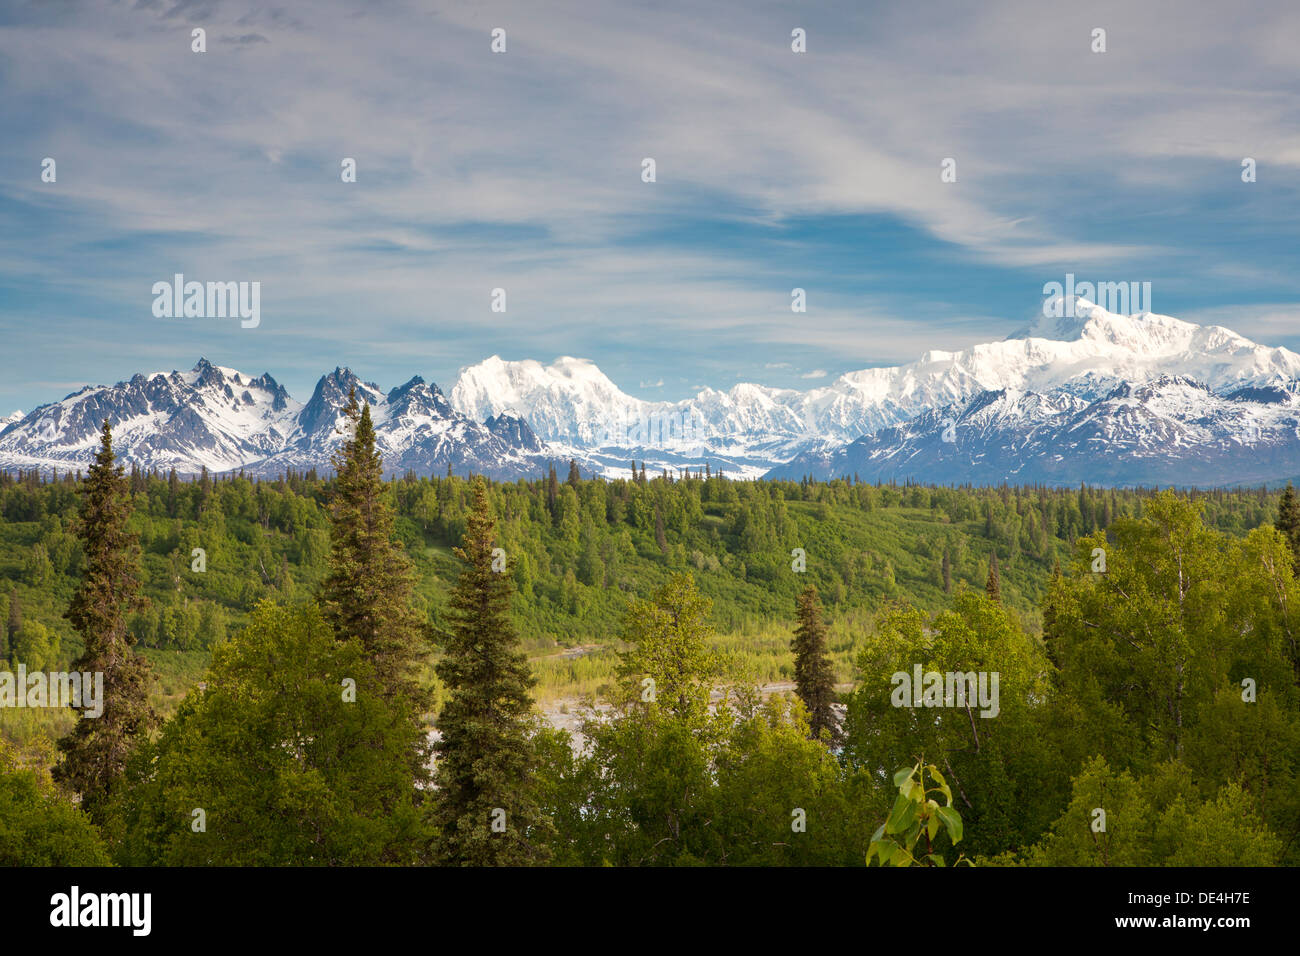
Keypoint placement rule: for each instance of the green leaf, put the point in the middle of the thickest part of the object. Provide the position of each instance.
(901, 816)
(913, 834)
(884, 850)
(904, 774)
(942, 782)
(951, 820)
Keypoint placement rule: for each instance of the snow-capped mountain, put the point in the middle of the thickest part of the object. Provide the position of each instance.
(1168, 430)
(9, 420)
(1095, 397)
(415, 429)
(579, 412)
(210, 416)
(750, 427)
(224, 420)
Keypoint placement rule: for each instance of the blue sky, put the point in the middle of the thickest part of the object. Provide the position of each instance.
(522, 171)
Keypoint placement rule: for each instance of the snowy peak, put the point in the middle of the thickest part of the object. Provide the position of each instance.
(1143, 395)
(514, 431)
(222, 419)
(208, 417)
(1085, 355)
(1167, 430)
(569, 400)
(321, 420)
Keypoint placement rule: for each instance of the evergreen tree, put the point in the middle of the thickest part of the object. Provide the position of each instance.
(96, 750)
(813, 675)
(15, 619)
(552, 489)
(947, 573)
(661, 539)
(1288, 521)
(1056, 594)
(366, 596)
(485, 807)
(994, 584)
(575, 476)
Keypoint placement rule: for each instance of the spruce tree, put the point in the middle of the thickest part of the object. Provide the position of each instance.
(993, 586)
(366, 596)
(661, 539)
(1056, 593)
(485, 808)
(1288, 521)
(813, 675)
(575, 476)
(95, 751)
(14, 622)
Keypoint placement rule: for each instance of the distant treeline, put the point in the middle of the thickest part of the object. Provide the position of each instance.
(575, 548)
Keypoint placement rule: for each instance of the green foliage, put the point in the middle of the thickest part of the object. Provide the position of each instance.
(667, 779)
(484, 809)
(96, 751)
(366, 596)
(36, 647)
(668, 664)
(1177, 662)
(813, 675)
(40, 826)
(1010, 770)
(285, 768)
(916, 815)
(1115, 819)
(1185, 649)
(1288, 521)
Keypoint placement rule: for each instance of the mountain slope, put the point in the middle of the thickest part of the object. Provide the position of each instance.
(1123, 399)
(572, 404)
(1171, 430)
(223, 420)
(210, 417)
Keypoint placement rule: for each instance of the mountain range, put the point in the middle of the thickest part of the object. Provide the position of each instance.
(223, 420)
(1098, 398)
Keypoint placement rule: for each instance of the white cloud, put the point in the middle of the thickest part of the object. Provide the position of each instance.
(236, 161)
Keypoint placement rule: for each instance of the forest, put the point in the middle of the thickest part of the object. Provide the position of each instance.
(677, 669)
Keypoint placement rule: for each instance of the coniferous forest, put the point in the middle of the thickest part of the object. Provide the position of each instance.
(670, 669)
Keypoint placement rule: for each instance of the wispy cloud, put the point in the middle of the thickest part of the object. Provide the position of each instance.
(522, 171)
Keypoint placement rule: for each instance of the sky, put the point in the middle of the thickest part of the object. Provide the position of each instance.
(522, 170)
